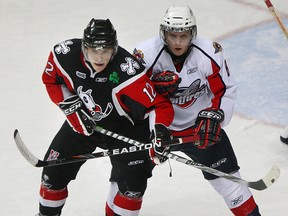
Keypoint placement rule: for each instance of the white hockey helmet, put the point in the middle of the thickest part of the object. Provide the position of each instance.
(178, 19)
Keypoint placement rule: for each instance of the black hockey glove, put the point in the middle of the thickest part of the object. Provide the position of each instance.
(161, 133)
(166, 83)
(208, 126)
(77, 115)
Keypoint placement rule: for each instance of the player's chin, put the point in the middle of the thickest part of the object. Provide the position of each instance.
(98, 67)
(178, 52)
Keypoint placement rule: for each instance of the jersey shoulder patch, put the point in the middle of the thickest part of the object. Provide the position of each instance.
(218, 48)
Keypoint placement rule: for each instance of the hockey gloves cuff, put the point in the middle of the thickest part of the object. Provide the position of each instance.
(166, 83)
(161, 133)
(208, 127)
(77, 115)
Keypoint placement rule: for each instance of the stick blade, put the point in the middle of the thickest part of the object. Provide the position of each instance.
(24, 150)
(266, 181)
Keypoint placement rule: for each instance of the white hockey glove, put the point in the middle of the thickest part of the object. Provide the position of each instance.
(161, 133)
(77, 115)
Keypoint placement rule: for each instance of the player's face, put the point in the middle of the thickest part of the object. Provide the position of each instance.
(178, 42)
(99, 58)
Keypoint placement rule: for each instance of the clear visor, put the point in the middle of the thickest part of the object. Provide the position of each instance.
(98, 54)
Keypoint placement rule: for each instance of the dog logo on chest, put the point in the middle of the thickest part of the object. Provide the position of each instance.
(95, 109)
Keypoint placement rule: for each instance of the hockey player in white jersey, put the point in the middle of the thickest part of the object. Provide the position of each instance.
(193, 73)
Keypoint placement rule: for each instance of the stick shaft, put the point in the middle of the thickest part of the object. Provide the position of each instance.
(277, 17)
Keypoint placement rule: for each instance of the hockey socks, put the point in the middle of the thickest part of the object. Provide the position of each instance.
(51, 202)
(238, 197)
(119, 205)
(248, 208)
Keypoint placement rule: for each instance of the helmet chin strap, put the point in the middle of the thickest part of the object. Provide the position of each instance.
(181, 58)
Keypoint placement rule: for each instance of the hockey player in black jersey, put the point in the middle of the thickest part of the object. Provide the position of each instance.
(95, 81)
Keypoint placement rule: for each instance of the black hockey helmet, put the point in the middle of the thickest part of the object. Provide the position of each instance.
(100, 34)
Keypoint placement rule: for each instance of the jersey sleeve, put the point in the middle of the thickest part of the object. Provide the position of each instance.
(57, 84)
(221, 83)
(136, 98)
(146, 51)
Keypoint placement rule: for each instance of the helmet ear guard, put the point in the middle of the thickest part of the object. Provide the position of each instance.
(178, 19)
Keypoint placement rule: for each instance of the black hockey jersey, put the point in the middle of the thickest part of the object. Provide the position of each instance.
(115, 97)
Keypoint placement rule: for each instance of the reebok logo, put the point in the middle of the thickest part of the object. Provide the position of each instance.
(237, 201)
(132, 194)
(81, 75)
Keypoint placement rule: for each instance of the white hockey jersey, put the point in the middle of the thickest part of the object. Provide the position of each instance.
(206, 79)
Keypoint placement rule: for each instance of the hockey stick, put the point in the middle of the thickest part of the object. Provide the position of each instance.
(261, 184)
(178, 141)
(276, 16)
(36, 162)
(32, 159)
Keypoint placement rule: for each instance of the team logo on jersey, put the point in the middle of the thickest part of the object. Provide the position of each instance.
(81, 75)
(130, 66)
(185, 97)
(95, 109)
(63, 47)
(113, 77)
(139, 55)
(217, 47)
